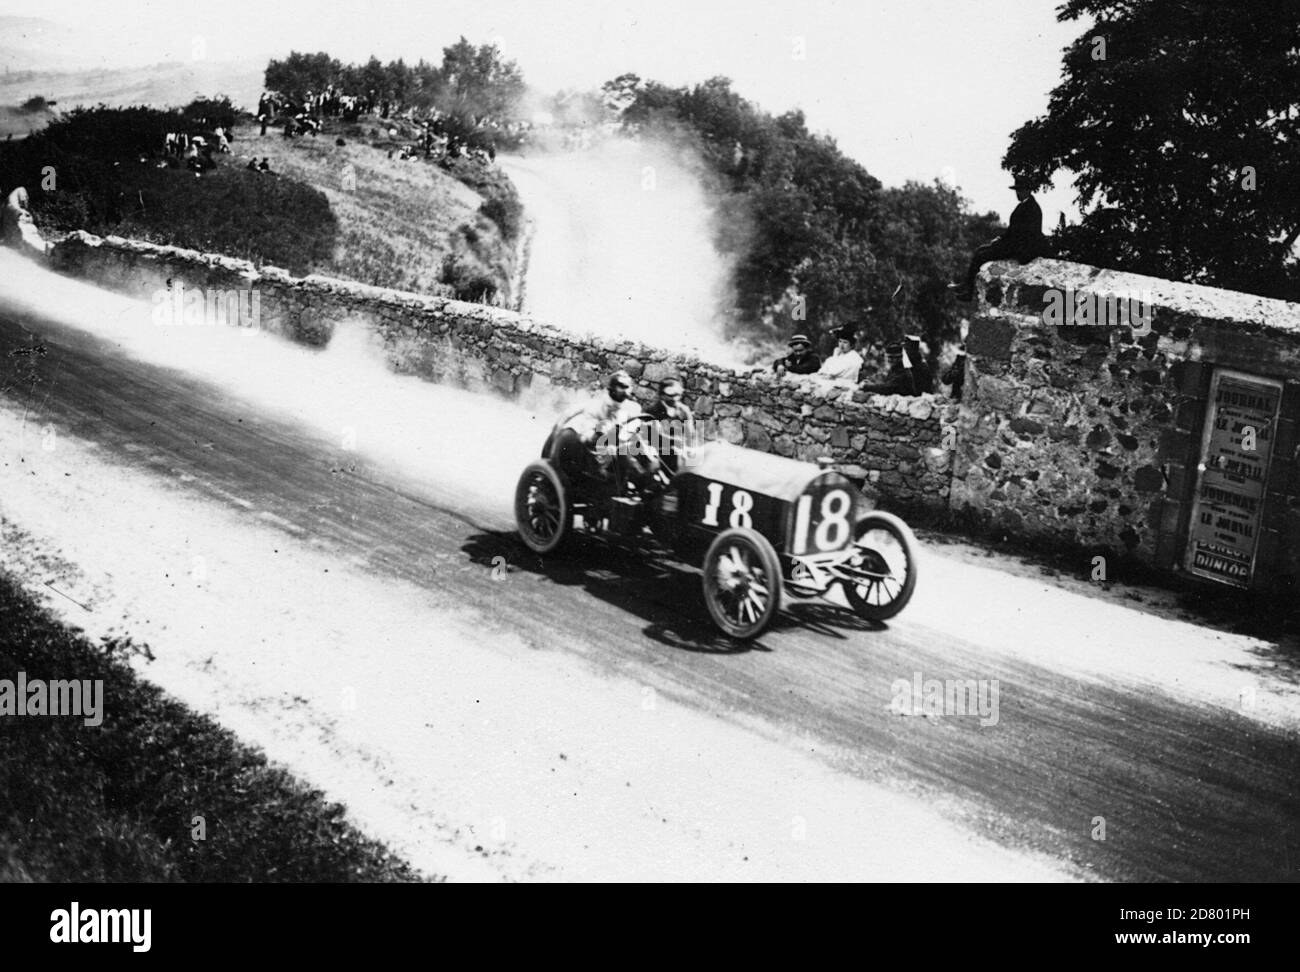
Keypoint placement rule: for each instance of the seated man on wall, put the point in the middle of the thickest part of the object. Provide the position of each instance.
(914, 361)
(599, 422)
(1023, 240)
(801, 360)
(898, 380)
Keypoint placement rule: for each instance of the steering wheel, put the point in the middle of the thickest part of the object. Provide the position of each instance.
(645, 455)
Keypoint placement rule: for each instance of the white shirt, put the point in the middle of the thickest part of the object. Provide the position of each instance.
(842, 366)
(601, 414)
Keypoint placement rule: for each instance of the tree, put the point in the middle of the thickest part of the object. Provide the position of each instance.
(478, 82)
(299, 73)
(810, 229)
(426, 84)
(1180, 122)
(373, 77)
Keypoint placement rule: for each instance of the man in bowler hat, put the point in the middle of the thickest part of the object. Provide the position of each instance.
(1023, 240)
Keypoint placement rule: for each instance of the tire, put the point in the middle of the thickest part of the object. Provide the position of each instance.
(543, 513)
(882, 597)
(742, 582)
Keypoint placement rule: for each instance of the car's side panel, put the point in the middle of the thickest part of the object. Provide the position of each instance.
(707, 507)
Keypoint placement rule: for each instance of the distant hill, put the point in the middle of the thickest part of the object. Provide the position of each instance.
(160, 85)
(68, 65)
(30, 43)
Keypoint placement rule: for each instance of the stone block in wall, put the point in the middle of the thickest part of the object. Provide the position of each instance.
(503, 380)
(990, 338)
(757, 437)
(731, 430)
(810, 451)
(995, 394)
(657, 371)
(920, 407)
(938, 460)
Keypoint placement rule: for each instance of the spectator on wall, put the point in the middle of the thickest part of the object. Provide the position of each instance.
(898, 379)
(846, 362)
(1023, 240)
(956, 373)
(914, 360)
(801, 360)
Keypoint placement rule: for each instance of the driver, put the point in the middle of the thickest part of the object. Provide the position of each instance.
(675, 423)
(589, 437)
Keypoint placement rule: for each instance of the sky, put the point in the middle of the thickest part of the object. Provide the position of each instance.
(912, 89)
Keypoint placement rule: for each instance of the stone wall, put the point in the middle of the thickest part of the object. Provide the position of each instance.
(1078, 436)
(1090, 435)
(898, 442)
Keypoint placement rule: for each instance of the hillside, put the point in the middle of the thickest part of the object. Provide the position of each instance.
(400, 221)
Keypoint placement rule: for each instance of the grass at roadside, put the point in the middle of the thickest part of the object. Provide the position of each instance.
(118, 802)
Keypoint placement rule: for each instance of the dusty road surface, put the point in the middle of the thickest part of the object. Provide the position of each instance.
(337, 579)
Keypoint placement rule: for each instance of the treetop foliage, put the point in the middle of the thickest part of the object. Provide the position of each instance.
(819, 242)
(471, 80)
(1179, 121)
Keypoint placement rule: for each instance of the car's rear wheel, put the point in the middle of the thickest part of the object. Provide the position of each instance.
(883, 566)
(742, 582)
(543, 513)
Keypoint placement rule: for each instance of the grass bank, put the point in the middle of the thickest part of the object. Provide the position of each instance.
(121, 801)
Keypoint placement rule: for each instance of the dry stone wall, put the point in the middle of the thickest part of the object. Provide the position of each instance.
(898, 442)
(1084, 435)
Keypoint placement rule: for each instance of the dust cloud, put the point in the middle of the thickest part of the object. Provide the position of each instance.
(622, 246)
(346, 394)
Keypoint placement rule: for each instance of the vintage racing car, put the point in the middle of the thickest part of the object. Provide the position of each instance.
(756, 522)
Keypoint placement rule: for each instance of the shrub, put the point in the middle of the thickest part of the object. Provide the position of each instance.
(507, 212)
(209, 113)
(103, 187)
(467, 283)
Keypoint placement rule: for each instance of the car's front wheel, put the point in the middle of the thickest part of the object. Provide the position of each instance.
(742, 582)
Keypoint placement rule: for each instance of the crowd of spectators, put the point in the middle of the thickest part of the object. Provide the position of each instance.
(906, 369)
(438, 136)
